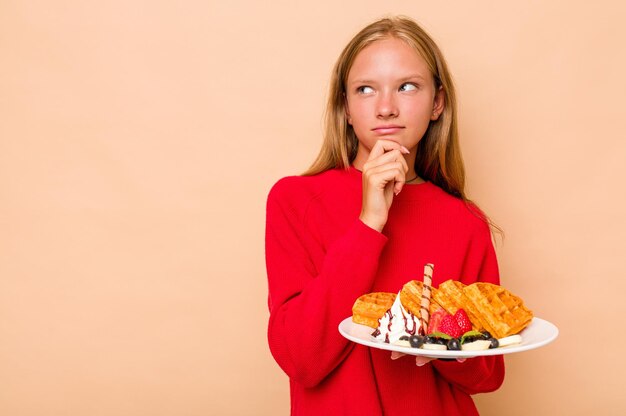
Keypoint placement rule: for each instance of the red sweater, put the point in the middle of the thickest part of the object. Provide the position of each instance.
(320, 258)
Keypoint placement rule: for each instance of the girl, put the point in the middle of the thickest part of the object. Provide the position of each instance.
(384, 197)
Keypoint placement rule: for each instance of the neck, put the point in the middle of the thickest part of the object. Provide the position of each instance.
(413, 179)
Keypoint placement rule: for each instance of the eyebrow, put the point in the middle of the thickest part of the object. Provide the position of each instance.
(403, 79)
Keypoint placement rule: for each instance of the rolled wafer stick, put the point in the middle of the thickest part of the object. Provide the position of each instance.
(425, 304)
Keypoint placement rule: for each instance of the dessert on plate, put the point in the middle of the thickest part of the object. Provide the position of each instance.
(453, 316)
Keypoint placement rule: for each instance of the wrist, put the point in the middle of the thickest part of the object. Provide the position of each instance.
(374, 224)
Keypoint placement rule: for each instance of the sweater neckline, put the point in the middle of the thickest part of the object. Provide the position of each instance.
(409, 191)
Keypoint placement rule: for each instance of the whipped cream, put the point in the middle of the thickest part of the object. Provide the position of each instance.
(395, 323)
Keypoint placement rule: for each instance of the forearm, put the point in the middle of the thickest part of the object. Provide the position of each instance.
(302, 333)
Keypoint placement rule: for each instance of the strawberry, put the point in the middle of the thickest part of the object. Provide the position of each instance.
(463, 320)
(449, 326)
(435, 320)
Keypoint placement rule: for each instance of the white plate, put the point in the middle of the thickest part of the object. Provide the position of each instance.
(539, 333)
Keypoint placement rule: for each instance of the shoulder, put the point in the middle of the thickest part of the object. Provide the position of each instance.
(297, 192)
(302, 186)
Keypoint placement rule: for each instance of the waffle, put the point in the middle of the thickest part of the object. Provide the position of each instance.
(500, 312)
(452, 297)
(369, 308)
(411, 297)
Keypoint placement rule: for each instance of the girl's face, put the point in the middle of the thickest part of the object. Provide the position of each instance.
(390, 94)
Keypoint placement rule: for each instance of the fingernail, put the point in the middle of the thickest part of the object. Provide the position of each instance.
(420, 361)
(404, 150)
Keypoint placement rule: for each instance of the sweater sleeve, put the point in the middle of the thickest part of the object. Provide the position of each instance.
(479, 374)
(306, 305)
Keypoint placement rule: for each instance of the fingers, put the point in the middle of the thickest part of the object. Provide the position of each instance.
(383, 146)
(380, 176)
(420, 360)
(390, 166)
(384, 157)
(391, 156)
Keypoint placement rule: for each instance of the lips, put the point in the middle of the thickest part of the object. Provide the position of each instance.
(387, 129)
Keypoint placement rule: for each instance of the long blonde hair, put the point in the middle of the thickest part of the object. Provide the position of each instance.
(438, 157)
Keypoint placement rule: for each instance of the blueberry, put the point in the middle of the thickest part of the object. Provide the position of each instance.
(404, 338)
(493, 343)
(416, 341)
(469, 339)
(454, 344)
(486, 335)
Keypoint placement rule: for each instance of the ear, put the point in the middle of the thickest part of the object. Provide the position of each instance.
(439, 104)
(346, 109)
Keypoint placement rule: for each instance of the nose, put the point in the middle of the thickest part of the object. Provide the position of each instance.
(386, 106)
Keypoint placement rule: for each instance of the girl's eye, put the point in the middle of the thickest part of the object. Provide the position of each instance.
(408, 87)
(365, 90)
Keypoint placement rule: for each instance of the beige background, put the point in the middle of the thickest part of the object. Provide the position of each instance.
(139, 139)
